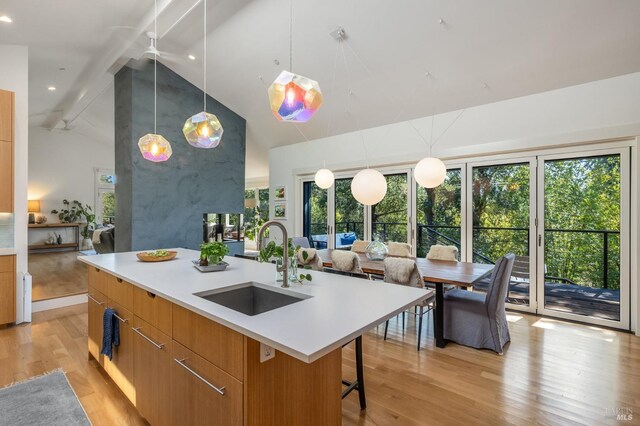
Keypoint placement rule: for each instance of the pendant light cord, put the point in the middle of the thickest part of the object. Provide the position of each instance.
(155, 68)
(204, 72)
(364, 146)
(290, 35)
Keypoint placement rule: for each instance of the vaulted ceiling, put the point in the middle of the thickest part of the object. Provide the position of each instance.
(479, 53)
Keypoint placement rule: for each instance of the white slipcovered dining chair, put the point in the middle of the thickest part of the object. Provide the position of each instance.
(312, 259)
(359, 246)
(405, 272)
(438, 252)
(399, 249)
(346, 263)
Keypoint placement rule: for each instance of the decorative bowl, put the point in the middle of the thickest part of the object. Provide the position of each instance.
(144, 256)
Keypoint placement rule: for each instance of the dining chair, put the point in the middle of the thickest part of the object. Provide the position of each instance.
(359, 246)
(479, 320)
(312, 259)
(346, 263)
(399, 249)
(301, 242)
(438, 252)
(405, 272)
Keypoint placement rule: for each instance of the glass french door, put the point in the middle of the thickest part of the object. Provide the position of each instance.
(390, 217)
(315, 215)
(439, 214)
(501, 216)
(583, 238)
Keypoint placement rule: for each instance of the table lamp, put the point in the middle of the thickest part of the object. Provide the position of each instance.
(33, 207)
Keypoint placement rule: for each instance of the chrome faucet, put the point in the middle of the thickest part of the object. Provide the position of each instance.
(284, 268)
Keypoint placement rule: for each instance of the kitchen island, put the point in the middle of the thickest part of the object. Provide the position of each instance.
(184, 359)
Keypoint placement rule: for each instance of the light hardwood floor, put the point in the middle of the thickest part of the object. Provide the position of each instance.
(57, 274)
(552, 373)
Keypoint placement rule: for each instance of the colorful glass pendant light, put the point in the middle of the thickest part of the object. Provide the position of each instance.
(294, 97)
(203, 130)
(155, 147)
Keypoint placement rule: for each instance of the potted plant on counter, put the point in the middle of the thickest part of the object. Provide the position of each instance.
(212, 253)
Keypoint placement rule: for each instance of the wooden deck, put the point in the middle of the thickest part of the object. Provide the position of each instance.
(576, 299)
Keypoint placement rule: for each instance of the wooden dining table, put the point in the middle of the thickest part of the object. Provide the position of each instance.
(436, 272)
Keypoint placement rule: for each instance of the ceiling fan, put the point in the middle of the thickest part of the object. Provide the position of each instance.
(140, 54)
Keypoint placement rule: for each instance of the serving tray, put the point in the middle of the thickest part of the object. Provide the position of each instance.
(210, 268)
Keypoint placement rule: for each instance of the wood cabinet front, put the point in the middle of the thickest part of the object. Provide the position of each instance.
(7, 289)
(6, 151)
(153, 309)
(6, 177)
(97, 303)
(98, 279)
(203, 394)
(6, 115)
(120, 291)
(222, 346)
(120, 366)
(152, 365)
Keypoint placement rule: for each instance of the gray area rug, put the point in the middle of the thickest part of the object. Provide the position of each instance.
(42, 400)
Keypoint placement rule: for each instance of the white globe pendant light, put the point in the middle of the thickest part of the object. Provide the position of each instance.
(324, 178)
(430, 172)
(369, 187)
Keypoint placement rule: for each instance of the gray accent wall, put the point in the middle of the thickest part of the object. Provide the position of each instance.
(160, 205)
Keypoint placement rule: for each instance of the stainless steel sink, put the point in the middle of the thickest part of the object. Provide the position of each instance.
(252, 298)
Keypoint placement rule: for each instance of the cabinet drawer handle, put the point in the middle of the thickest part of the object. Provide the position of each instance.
(181, 363)
(97, 270)
(151, 295)
(159, 346)
(95, 300)
(119, 280)
(122, 320)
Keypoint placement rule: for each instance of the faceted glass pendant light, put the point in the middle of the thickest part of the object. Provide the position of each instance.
(155, 148)
(294, 97)
(203, 130)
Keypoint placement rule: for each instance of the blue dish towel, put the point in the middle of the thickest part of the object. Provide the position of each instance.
(110, 332)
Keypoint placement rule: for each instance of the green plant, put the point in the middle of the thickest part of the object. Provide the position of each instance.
(253, 225)
(213, 252)
(273, 250)
(74, 211)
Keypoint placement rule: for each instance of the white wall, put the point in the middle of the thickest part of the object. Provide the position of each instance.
(61, 166)
(600, 110)
(14, 77)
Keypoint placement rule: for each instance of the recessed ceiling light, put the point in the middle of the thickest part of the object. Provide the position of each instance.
(5, 18)
(51, 88)
(193, 58)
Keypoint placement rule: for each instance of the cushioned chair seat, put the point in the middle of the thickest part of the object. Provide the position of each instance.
(473, 319)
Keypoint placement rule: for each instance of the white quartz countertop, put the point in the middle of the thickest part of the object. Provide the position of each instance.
(340, 308)
(7, 251)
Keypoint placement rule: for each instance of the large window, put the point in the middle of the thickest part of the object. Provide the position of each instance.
(315, 215)
(389, 218)
(105, 197)
(565, 217)
(439, 214)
